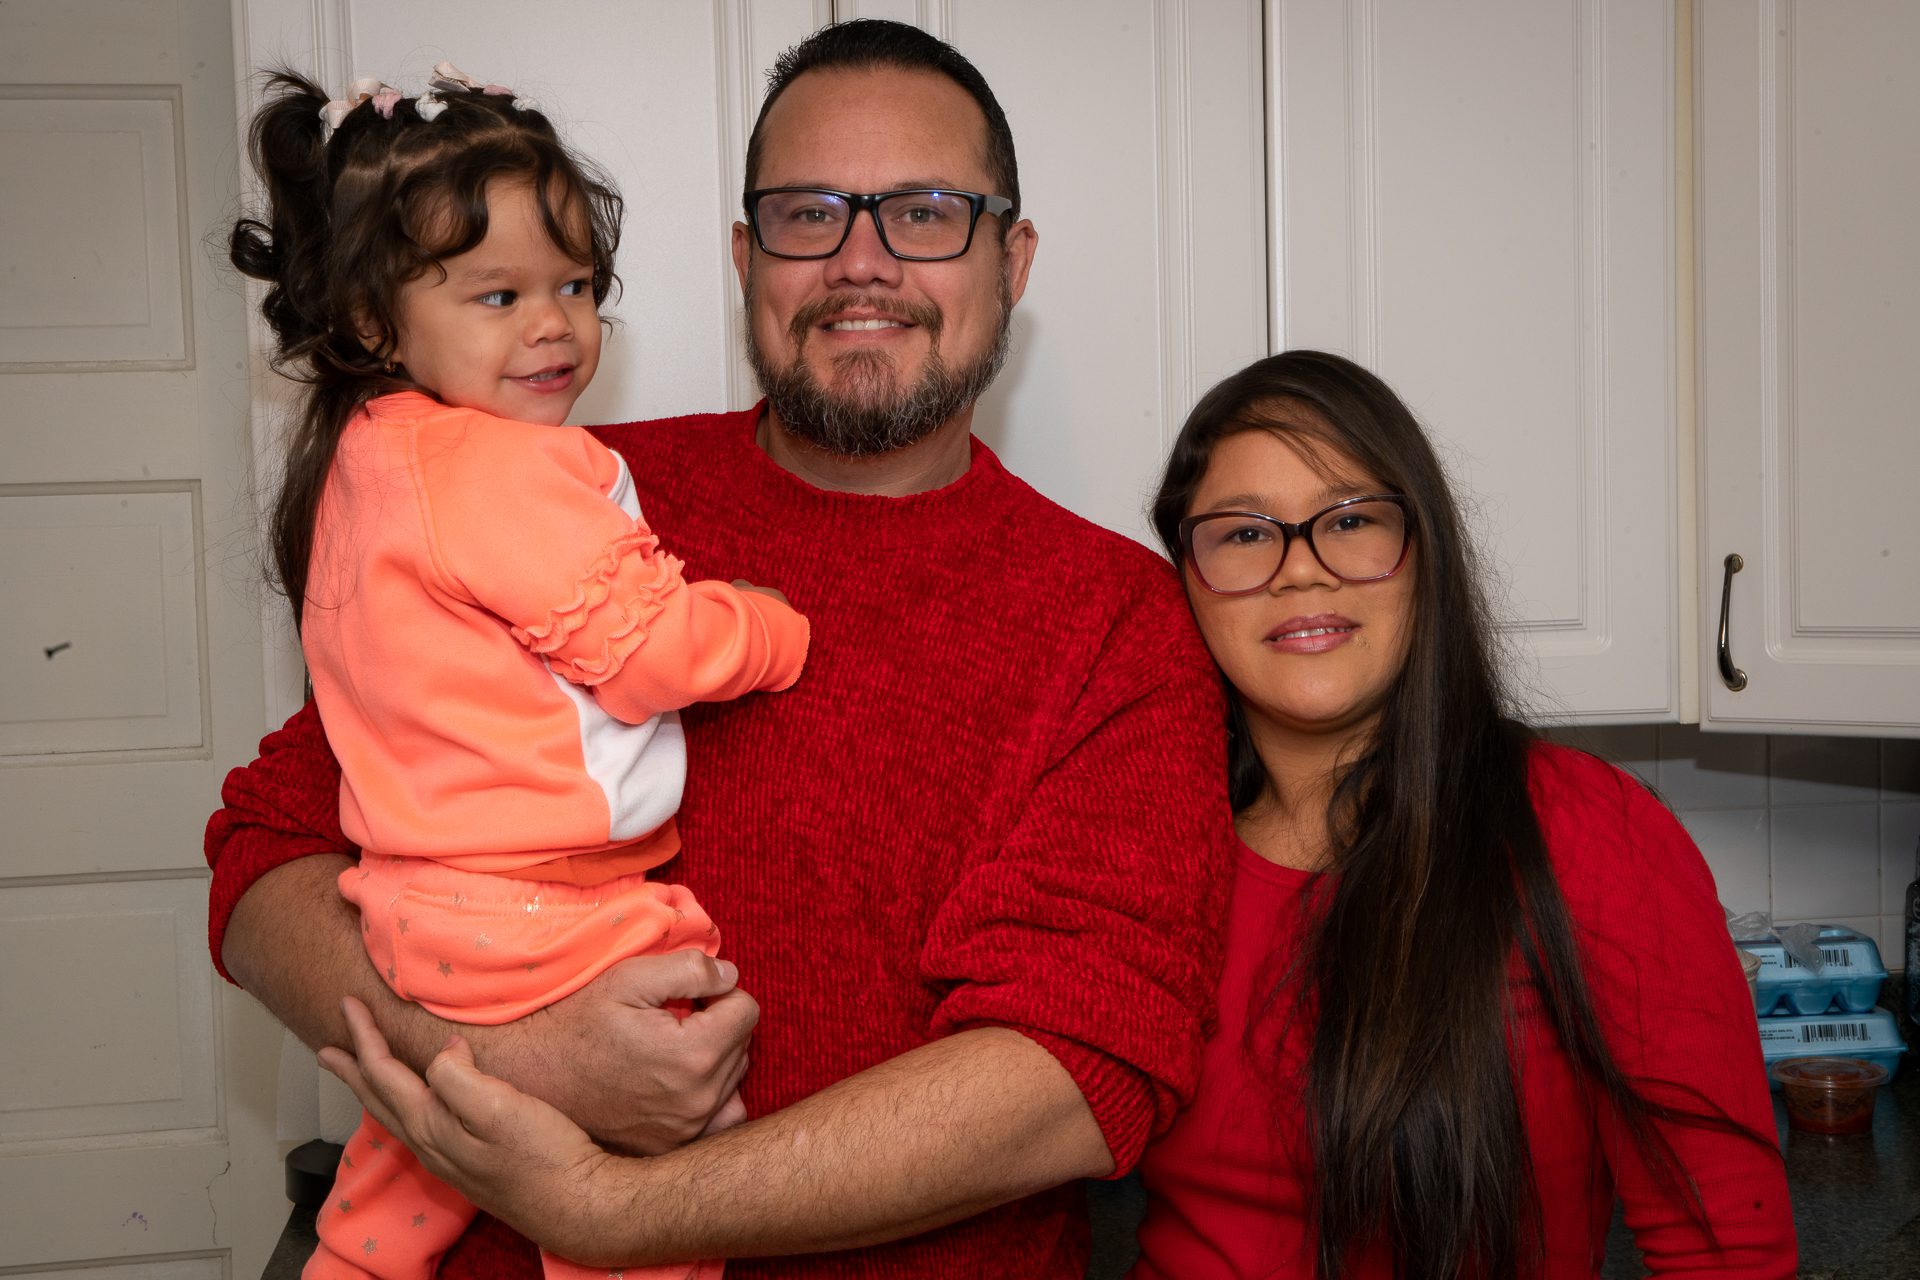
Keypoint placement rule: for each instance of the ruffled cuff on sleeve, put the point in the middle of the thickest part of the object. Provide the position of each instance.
(589, 637)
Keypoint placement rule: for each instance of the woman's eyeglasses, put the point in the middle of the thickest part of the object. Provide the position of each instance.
(1235, 553)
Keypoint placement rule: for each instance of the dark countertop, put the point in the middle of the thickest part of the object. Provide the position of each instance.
(1856, 1200)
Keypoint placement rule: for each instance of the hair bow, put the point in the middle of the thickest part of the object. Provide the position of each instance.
(448, 76)
(365, 89)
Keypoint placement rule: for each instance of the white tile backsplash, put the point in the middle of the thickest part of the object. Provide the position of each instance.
(1822, 770)
(1826, 860)
(1899, 834)
(1900, 769)
(1711, 770)
(1893, 942)
(1801, 827)
(1735, 845)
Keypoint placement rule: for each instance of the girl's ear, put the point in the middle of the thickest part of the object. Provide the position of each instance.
(372, 336)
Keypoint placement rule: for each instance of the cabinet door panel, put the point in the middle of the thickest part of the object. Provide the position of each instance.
(1809, 303)
(1475, 201)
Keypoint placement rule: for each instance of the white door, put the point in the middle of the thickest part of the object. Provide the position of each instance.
(1809, 318)
(135, 1088)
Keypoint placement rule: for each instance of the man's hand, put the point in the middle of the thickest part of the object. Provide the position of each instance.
(631, 1071)
(512, 1155)
(611, 1055)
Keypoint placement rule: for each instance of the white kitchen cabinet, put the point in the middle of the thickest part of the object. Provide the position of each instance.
(1480, 200)
(1809, 307)
(1476, 200)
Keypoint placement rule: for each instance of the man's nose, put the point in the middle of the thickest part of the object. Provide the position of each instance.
(863, 258)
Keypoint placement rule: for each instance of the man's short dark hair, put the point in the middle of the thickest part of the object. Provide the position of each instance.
(868, 44)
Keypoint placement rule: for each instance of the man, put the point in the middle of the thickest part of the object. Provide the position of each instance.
(972, 863)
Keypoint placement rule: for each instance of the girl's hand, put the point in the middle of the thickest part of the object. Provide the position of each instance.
(509, 1153)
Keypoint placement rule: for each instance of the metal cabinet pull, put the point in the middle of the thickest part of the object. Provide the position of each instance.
(1734, 678)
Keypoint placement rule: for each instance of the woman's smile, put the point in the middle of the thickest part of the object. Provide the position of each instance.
(1318, 634)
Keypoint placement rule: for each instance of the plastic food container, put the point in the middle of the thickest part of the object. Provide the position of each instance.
(1872, 1036)
(1849, 981)
(1829, 1095)
(1750, 966)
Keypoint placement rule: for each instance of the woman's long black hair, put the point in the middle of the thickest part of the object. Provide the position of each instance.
(352, 218)
(1413, 1116)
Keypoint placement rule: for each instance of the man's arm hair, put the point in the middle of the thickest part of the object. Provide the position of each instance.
(940, 1133)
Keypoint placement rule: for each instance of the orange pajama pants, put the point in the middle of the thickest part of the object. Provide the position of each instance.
(480, 949)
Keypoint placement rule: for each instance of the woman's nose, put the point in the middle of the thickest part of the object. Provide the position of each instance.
(1300, 567)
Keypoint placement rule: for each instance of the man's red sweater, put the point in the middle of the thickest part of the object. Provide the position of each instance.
(996, 797)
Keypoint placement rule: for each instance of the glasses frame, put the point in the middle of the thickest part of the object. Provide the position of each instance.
(870, 202)
(1290, 531)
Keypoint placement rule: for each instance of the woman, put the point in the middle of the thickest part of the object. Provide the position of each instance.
(1475, 984)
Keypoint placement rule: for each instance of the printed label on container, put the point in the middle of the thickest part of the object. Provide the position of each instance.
(1816, 1033)
(1840, 960)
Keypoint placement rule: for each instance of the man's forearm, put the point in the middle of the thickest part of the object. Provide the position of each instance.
(614, 1057)
(294, 943)
(938, 1134)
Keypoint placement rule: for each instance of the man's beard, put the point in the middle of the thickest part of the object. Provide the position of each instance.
(873, 414)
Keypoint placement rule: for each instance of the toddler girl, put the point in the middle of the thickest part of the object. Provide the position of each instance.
(496, 641)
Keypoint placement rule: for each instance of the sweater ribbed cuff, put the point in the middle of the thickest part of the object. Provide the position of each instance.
(1121, 1099)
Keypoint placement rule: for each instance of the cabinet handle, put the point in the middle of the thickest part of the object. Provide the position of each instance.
(1734, 678)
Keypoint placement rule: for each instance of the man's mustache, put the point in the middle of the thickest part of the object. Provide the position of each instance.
(922, 314)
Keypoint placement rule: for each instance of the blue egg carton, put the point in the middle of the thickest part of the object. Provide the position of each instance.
(1871, 1035)
(1849, 982)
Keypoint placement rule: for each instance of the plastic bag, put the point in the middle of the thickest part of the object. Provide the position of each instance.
(1802, 941)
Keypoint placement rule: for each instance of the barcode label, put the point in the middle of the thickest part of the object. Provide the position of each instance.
(1835, 957)
(1828, 1032)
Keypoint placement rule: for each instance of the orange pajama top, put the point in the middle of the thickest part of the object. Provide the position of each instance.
(497, 643)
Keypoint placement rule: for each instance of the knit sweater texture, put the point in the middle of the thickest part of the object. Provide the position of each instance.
(996, 799)
(1230, 1186)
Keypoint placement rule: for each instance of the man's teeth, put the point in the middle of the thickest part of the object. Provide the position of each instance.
(856, 326)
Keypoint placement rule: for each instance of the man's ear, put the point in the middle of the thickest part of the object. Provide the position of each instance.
(1017, 252)
(742, 247)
